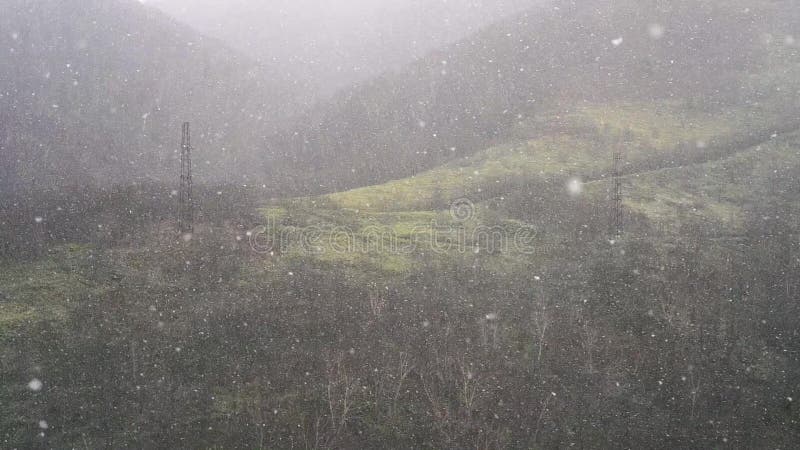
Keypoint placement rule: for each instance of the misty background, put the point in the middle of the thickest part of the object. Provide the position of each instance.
(322, 46)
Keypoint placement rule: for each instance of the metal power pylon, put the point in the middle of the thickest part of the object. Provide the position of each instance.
(185, 200)
(617, 222)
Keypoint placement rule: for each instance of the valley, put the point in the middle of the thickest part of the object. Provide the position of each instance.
(426, 259)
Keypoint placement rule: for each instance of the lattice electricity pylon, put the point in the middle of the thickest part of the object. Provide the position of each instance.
(185, 200)
(617, 221)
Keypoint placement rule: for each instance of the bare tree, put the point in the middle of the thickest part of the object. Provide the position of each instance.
(322, 436)
(590, 337)
(541, 320)
(542, 413)
(490, 327)
(403, 371)
(432, 386)
(467, 389)
(340, 391)
(377, 302)
(491, 438)
(694, 390)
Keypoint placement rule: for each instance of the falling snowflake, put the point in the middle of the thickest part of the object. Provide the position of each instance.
(575, 186)
(656, 31)
(35, 385)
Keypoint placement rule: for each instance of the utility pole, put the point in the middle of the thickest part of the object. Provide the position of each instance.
(185, 200)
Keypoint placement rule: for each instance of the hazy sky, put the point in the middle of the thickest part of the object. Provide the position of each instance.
(327, 44)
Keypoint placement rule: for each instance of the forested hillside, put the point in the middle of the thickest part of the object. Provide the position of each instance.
(518, 75)
(97, 89)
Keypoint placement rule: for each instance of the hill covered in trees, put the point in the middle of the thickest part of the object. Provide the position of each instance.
(515, 77)
(98, 89)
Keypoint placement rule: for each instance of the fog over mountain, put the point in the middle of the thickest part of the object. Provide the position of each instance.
(325, 45)
(503, 82)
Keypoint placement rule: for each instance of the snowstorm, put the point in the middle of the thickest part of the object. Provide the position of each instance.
(399, 224)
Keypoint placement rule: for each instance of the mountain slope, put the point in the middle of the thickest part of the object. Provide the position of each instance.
(98, 89)
(685, 175)
(656, 306)
(498, 84)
